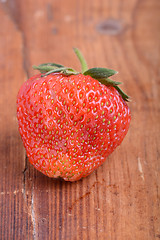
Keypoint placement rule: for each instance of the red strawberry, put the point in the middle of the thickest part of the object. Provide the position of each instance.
(70, 122)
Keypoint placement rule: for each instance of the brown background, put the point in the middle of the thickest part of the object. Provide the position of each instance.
(119, 201)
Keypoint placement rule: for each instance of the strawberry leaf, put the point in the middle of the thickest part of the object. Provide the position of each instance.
(100, 73)
(51, 64)
(64, 70)
(107, 81)
(124, 96)
(46, 67)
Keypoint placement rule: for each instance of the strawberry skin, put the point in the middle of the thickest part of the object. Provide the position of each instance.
(70, 124)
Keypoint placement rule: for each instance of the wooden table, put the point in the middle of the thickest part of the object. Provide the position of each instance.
(121, 200)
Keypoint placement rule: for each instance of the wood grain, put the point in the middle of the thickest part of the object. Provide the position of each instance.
(121, 200)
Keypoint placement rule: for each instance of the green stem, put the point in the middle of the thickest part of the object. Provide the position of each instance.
(82, 60)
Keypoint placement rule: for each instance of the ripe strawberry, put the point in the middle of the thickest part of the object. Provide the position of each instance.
(70, 122)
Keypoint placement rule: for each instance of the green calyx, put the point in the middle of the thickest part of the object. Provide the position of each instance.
(100, 74)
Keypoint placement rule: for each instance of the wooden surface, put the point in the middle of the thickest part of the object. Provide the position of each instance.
(121, 200)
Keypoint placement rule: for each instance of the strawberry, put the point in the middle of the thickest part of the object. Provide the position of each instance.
(70, 122)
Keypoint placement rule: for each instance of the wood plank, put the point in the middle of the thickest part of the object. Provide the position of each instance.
(121, 199)
(13, 207)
